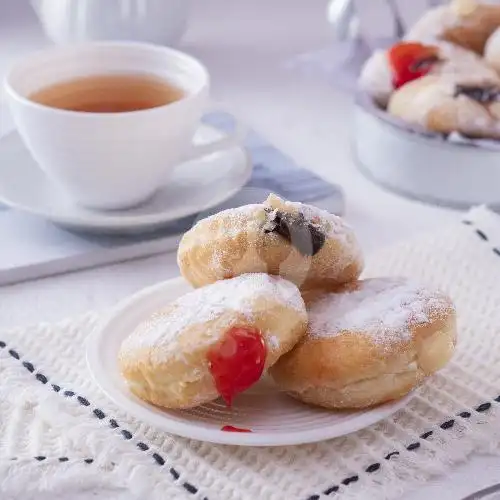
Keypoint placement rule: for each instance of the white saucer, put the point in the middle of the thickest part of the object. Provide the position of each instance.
(274, 418)
(193, 187)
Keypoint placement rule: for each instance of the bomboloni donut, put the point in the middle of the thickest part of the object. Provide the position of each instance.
(467, 23)
(467, 105)
(388, 70)
(370, 342)
(301, 243)
(214, 341)
(492, 51)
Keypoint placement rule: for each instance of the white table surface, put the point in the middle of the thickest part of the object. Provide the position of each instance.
(246, 45)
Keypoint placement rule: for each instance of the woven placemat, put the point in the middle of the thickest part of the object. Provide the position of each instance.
(63, 433)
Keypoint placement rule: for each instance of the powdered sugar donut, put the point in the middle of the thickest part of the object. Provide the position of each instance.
(467, 23)
(371, 342)
(301, 243)
(216, 340)
(387, 70)
(492, 50)
(462, 104)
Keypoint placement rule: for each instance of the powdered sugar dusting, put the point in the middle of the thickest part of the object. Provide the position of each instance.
(382, 308)
(208, 303)
(433, 24)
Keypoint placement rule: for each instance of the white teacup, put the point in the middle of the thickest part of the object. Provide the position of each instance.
(111, 160)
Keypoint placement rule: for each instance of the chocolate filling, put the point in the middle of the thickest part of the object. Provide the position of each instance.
(303, 235)
(424, 64)
(484, 95)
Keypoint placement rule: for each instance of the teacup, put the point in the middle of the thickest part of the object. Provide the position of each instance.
(111, 159)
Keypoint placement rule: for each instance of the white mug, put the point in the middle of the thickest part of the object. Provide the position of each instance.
(111, 160)
(76, 21)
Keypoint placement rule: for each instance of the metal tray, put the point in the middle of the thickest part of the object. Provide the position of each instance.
(425, 166)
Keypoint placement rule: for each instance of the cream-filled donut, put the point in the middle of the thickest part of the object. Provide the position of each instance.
(214, 341)
(370, 342)
(464, 104)
(299, 242)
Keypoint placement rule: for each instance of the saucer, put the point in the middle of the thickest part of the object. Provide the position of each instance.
(193, 187)
(274, 418)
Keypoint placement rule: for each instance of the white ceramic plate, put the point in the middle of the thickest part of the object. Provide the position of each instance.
(274, 418)
(193, 187)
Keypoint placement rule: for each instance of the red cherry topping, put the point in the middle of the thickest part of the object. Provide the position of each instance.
(237, 361)
(230, 428)
(410, 60)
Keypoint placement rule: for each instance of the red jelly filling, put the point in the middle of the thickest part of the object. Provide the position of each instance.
(237, 361)
(409, 61)
(230, 428)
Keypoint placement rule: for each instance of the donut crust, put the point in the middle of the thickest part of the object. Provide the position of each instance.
(221, 247)
(178, 376)
(431, 102)
(351, 371)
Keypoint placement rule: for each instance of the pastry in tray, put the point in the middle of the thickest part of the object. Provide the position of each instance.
(467, 105)
(299, 242)
(443, 77)
(387, 70)
(466, 23)
(369, 342)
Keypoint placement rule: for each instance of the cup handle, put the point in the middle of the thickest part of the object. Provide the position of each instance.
(6, 124)
(234, 138)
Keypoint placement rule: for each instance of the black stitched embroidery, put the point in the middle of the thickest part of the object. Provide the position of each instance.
(29, 366)
(390, 455)
(98, 414)
(413, 446)
(189, 487)
(483, 407)
(127, 434)
(481, 235)
(332, 489)
(313, 497)
(372, 468)
(447, 425)
(349, 480)
(464, 414)
(497, 251)
(159, 459)
(425, 435)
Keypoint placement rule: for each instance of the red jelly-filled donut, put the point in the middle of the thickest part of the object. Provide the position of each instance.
(411, 60)
(237, 362)
(215, 341)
